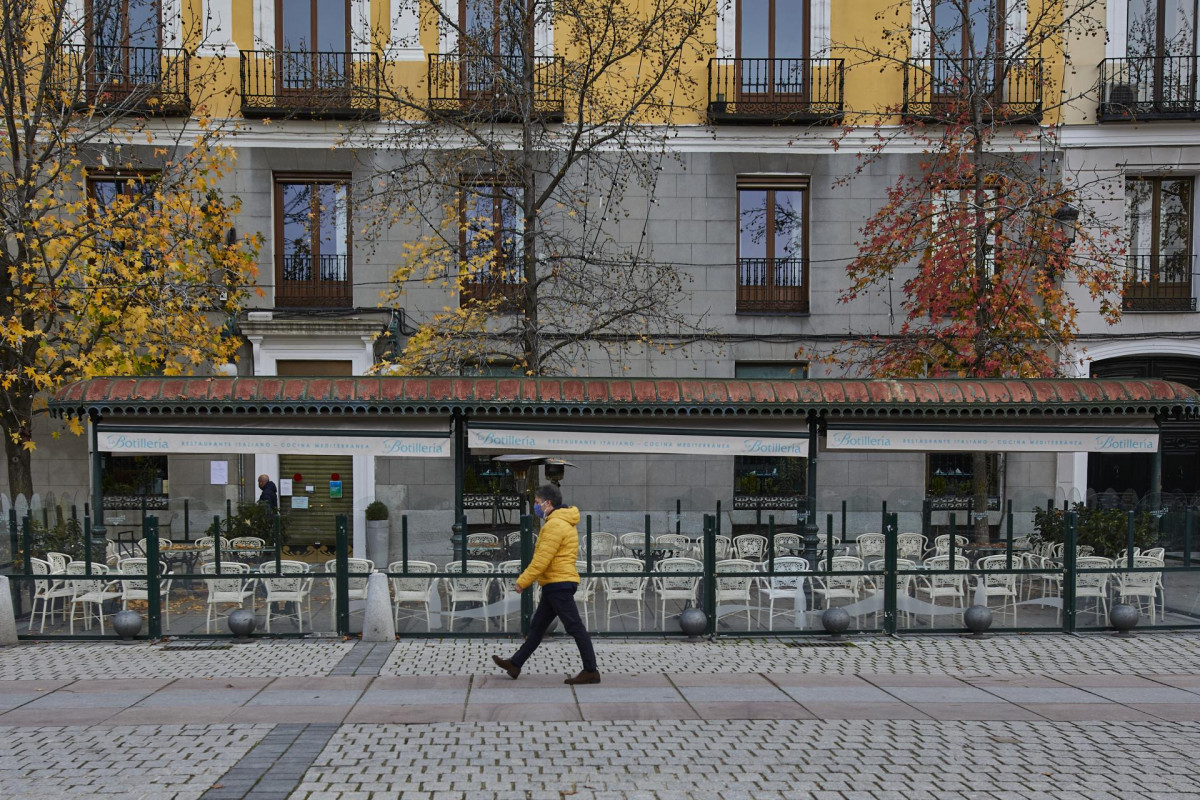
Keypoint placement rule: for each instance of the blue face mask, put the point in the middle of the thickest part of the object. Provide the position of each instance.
(537, 511)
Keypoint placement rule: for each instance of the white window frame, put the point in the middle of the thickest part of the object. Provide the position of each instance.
(820, 41)
(543, 33)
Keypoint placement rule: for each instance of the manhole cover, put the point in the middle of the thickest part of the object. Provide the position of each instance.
(197, 646)
(820, 644)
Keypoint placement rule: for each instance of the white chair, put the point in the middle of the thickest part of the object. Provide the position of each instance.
(750, 547)
(938, 583)
(634, 541)
(1093, 585)
(414, 587)
(788, 544)
(472, 587)
(1138, 586)
(838, 587)
(136, 590)
(58, 562)
(1155, 552)
(585, 595)
(941, 545)
(90, 592)
(722, 547)
(629, 585)
(293, 586)
(56, 590)
(911, 546)
(905, 576)
(671, 587)
(40, 588)
(786, 584)
(604, 547)
(252, 543)
(1000, 584)
(681, 544)
(507, 574)
(234, 590)
(357, 587)
(735, 589)
(869, 545)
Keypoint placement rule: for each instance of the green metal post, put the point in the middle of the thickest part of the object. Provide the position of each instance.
(1189, 521)
(153, 587)
(1070, 521)
(1129, 538)
(828, 542)
(27, 544)
(844, 510)
(217, 543)
(458, 536)
(710, 574)
(187, 527)
(771, 545)
(927, 519)
(278, 525)
(96, 536)
(717, 529)
(890, 526)
(404, 542)
(953, 538)
(588, 530)
(678, 519)
(526, 557)
(342, 576)
(883, 513)
(649, 547)
(1008, 536)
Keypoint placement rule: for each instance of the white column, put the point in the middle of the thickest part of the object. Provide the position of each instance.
(921, 35)
(543, 36)
(726, 29)
(73, 22)
(172, 24)
(447, 32)
(360, 28)
(1015, 26)
(264, 24)
(404, 36)
(819, 29)
(218, 28)
(1116, 22)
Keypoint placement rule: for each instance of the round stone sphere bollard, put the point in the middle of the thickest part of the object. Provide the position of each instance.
(127, 624)
(692, 622)
(977, 619)
(242, 624)
(835, 621)
(1124, 618)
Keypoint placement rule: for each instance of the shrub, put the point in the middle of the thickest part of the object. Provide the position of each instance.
(1104, 529)
(376, 510)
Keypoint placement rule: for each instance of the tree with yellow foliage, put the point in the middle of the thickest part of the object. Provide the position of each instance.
(116, 248)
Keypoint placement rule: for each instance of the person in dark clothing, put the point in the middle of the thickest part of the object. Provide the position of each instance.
(553, 567)
(270, 494)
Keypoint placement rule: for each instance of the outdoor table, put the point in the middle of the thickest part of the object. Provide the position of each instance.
(485, 551)
(657, 553)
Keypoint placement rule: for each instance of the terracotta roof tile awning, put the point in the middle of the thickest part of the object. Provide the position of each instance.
(613, 398)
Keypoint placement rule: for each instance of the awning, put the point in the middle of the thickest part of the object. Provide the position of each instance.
(1066, 436)
(694, 440)
(426, 441)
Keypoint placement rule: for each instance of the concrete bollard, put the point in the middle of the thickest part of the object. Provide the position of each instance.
(8, 619)
(378, 623)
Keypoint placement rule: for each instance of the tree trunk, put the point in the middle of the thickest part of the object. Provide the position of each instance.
(19, 461)
(979, 491)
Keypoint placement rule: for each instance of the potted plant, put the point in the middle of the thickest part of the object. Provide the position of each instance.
(378, 533)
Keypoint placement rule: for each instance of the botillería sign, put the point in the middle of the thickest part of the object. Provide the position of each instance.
(564, 441)
(274, 443)
(994, 441)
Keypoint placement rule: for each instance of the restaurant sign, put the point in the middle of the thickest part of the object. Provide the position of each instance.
(1027, 441)
(347, 444)
(597, 441)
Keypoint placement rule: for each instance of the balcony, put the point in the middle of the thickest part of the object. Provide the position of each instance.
(1159, 283)
(772, 286)
(310, 85)
(775, 90)
(128, 80)
(306, 281)
(496, 88)
(1148, 88)
(488, 288)
(943, 90)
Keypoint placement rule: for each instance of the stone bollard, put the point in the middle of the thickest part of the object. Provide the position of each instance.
(378, 623)
(8, 620)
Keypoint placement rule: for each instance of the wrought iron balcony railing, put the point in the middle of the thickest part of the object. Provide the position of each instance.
(948, 89)
(295, 83)
(775, 89)
(496, 88)
(771, 285)
(137, 80)
(492, 286)
(1150, 87)
(307, 281)
(1159, 283)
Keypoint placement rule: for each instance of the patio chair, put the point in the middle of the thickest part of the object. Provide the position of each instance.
(225, 591)
(630, 587)
(90, 592)
(58, 562)
(137, 590)
(750, 547)
(671, 587)
(293, 586)
(357, 587)
(507, 574)
(735, 588)
(1155, 552)
(472, 587)
(788, 544)
(722, 546)
(906, 574)
(838, 587)
(415, 589)
(604, 546)
(869, 545)
(1138, 586)
(682, 545)
(585, 595)
(938, 584)
(39, 566)
(634, 541)
(911, 546)
(786, 584)
(56, 590)
(941, 544)
(1000, 584)
(1093, 585)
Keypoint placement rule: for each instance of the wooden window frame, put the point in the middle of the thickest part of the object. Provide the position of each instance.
(510, 289)
(281, 179)
(746, 303)
(1148, 290)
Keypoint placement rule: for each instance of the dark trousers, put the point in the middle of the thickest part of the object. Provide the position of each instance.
(558, 600)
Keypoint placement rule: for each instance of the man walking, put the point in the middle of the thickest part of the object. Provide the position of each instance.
(553, 567)
(270, 494)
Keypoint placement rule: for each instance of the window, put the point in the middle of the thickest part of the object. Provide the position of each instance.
(1158, 213)
(949, 480)
(133, 475)
(313, 40)
(493, 229)
(117, 203)
(955, 221)
(312, 234)
(772, 41)
(124, 42)
(773, 482)
(772, 245)
(1161, 28)
(967, 50)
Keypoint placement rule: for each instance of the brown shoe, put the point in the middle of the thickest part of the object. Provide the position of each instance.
(586, 676)
(512, 669)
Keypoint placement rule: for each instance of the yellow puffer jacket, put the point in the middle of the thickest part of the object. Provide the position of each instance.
(557, 547)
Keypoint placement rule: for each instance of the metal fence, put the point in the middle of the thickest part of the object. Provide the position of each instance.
(769, 579)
